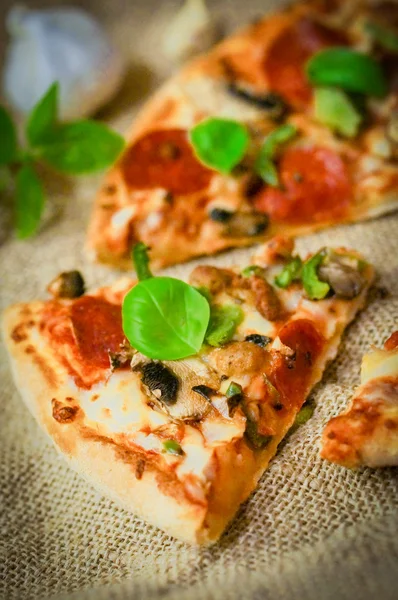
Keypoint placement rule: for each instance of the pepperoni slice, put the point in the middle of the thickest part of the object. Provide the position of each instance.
(392, 342)
(315, 187)
(97, 328)
(285, 60)
(291, 376)
(164, 159)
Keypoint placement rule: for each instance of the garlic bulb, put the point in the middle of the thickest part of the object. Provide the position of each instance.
(192, 30)
(65, 45)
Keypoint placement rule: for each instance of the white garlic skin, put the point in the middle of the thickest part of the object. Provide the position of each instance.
(65, 45)
(192, 31)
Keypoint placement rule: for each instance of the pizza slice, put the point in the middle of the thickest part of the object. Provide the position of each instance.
(367, 432)
(171, 398)
(313, 92)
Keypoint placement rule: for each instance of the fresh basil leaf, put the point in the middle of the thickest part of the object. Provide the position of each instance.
(387, 38)
(348, 69)
(333, 108)
(224, 321)
(219, 143)
(289, 273)
(264, 166)
(29, 201)
(81, 147)
(141, 261)
(43, 117)
(165, 318)
(314, 287)
(8, 145)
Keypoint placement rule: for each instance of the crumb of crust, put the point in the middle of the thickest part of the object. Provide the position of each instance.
(29, 349)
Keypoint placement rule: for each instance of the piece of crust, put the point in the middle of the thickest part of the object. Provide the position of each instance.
(180, 230)
(366, 434)
(127, 473)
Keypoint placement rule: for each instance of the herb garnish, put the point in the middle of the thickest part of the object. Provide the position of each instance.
(74, 148)
(334, 108)
(163, 318)
(347, 69)
(219, 143)
(264, 165)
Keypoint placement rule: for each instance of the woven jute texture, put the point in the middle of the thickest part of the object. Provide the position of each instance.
(311, 530)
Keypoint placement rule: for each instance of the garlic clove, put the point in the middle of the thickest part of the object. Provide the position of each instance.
(193, 30)
(65, 45)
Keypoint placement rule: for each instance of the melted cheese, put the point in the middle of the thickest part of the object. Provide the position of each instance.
(379, 363)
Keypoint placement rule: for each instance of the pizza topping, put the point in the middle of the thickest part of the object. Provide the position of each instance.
(160, 380)
(253, 270)
(141, 261)
(266, 299)
(165, 318)
(259, 340)
(212, 278)
(69, 284)
(220, 215)
(333, 108)
(164, 159)
(238, 358)
(122, 357)
(315, 288)
(392, 127)
(264, 166)
(287, 55)
(246, 224)
(315, 186)
(392, 342)
(291, 272)
(223, 323)
(272, 104)
(205, 391)
(234, 389)
(97, 329)
(173, 447)
(345, 280)
(305, 413)
(347, 69)
(219, 143)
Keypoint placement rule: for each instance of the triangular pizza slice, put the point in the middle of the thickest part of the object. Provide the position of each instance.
(312, 90)
(183, 442)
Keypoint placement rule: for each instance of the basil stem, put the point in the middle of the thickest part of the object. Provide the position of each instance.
(141, 261)
(347, 69)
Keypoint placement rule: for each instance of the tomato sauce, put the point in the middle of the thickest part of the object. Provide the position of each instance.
(164, 159)
(315, 186)
(285, 61)
(292, 375)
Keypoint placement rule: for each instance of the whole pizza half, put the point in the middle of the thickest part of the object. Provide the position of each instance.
(171, 398)
(290, 125)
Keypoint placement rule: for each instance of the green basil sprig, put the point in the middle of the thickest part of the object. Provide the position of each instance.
(74, 148)
(333, 108)
(264, 165)
(163, 318)
(347, 69)
(219, 143)
(387, 38)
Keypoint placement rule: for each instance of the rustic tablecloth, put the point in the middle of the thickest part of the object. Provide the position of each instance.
(312, 530)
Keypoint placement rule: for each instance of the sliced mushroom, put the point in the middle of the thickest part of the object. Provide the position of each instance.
(344, 279)
(169, 384)
(246, 224)
(271, 103)
(69, 284)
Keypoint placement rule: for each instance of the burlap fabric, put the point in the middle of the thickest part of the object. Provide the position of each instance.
(311, 530)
